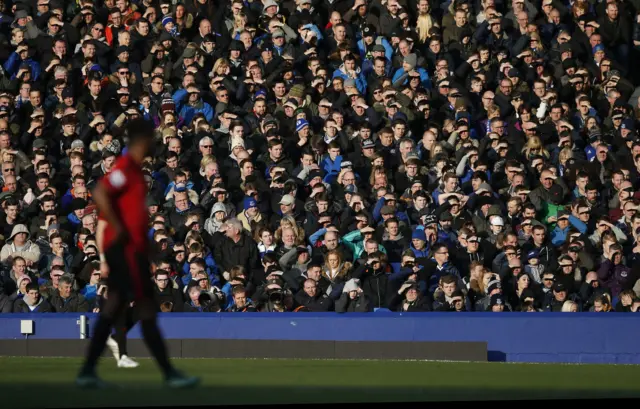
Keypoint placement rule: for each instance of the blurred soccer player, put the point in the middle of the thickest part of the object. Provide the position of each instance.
(117, 342)
(120, 197)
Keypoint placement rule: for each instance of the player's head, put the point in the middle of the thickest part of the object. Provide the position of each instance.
(140, 133)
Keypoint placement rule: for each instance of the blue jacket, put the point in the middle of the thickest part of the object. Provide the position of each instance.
(559, 236)
(377, 216)
(90, 292)
(229, 301)
(12, 66)
(331, 168)
(421, 253)
(211, 269)
(388, 50)
(187, 112)
(361, 82)
(424, 77)
(172, 184)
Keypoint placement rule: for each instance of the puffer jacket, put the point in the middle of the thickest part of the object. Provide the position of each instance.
(75, 303)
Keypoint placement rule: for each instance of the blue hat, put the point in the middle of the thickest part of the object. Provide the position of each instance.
(628, 124)
(166, 20)
(249, 202)
(260, 94)
(533, 254)
(301, 124)
(95, 67)
(597, 48)
(400, 116)
(419, 234)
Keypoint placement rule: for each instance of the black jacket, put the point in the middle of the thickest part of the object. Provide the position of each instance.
(171, 295)
(319, 303)
(75, 303)
(21, 306)
(245, 253)
(375, 285)
(360, 304)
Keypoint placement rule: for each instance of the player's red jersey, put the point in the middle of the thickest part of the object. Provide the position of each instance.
(128, 191)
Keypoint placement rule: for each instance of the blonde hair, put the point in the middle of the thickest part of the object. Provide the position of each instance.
(289, 222)
(536, 36)
(493, 111)
(534, 146)
(207, 159)
(566, 307)
(423, 26)
(220, 62)
(565, 154)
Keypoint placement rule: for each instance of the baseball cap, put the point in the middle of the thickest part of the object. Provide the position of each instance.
(287, 200)
(368, 143)
(628, 124)
(559, 287)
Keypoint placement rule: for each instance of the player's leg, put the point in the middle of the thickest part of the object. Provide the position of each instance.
(122, 328)
(113, 306)
(147, 313)
(118, 295)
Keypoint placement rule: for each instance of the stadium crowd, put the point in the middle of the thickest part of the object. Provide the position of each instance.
(328, 155)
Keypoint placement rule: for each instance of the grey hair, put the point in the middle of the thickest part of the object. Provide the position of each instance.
(60, 69)
(205, 140)
(235, 224)
(66, 279)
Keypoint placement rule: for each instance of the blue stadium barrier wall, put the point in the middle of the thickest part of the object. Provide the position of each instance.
(511, 337)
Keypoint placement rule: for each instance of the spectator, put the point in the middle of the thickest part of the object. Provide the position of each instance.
(66, 299)
(166, 292)
(19, 244)
(487, 146)
(32, 301)
(353, 298)
(312, 299)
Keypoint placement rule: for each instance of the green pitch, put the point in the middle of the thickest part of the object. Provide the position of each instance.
(37, 382)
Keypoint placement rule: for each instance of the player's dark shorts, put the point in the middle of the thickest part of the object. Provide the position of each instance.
(129, 272)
